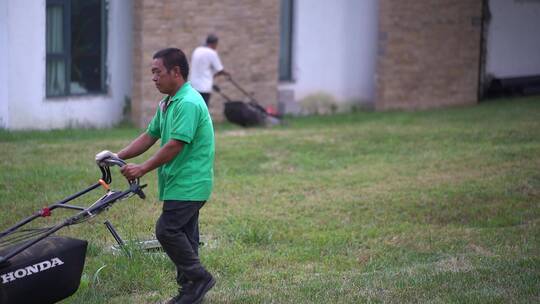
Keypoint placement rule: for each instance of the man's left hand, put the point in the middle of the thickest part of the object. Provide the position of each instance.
(132, 171)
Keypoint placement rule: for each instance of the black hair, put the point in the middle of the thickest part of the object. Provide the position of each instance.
(211, 39)
(174, 57)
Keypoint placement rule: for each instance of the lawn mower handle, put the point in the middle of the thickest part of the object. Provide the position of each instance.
(102, 204)
(134, 185)
(114, 161)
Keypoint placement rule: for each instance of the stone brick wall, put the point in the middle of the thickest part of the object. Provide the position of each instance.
(248, 47)
(429, 52)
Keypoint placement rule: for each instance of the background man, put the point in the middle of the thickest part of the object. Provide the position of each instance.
(205, 65)
(185, 169)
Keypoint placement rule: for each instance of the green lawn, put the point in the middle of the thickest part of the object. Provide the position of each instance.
(436, 206)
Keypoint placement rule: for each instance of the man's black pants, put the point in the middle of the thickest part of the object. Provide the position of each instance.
(177, 230)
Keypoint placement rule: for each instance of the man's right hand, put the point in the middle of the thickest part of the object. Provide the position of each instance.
(103, 155)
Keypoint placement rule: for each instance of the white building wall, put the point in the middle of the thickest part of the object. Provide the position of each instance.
(4, 41)
(28, 108)
(513, 41)
(334, 49)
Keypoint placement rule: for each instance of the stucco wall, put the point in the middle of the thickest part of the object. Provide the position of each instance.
(428, 53)
(4, 41)
(248, 47)
(334, 49)
(513, 41)
(28, 108)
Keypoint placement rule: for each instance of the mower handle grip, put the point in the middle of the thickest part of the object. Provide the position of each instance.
(114, 161)
(134, 185)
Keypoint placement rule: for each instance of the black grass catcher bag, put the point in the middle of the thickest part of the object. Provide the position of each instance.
(246, 114)
(47, 272)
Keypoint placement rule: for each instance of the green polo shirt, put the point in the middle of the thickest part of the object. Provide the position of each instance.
(184, 116)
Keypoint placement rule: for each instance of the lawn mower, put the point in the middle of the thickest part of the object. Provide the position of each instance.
(246, 114)
(38, 267)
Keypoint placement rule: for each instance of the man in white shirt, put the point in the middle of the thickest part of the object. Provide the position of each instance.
(205, 65)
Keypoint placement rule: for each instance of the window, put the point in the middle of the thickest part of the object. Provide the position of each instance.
(76, 44)
(285, 48)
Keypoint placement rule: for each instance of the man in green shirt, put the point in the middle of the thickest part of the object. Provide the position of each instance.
(185, 169)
